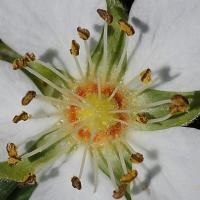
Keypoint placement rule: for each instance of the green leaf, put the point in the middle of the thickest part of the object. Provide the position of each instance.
(114, 34)
(182, 119)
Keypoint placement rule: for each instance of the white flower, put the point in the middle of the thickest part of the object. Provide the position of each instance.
(166, 40)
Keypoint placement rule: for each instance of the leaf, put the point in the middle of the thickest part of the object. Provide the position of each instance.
(150, 96)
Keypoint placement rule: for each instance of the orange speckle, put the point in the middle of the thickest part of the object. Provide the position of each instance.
(84, 134)
(73, 113)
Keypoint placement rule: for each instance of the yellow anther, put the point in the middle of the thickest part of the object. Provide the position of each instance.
(179, 103)
(126, 27)
(22, 117)
(130, 176)
(145, 76)
(142, 118)
(29, 57)
(74, 48)
(28, 97)
(105, 15)
(136, 158)
(12, 153)
(29, 179)
(117, 194)
(19, 63)
(83, 33)
(76, 183)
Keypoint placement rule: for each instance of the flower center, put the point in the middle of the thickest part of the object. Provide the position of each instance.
(98, 114)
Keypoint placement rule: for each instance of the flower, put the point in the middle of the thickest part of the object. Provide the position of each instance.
(104, 116)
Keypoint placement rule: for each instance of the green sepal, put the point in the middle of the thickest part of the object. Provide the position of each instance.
(6, 188)
(38, 161)
(22, 193)
(116, 165)
(116, 40)
(181, 119)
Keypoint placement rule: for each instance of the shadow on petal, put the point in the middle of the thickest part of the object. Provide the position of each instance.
(164, 75)
(143, 28)
(144, 184)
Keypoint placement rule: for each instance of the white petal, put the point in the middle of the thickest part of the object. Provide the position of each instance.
(47, 27)
(166, 41)
(171, 164)
(13, 86)
(56, 184)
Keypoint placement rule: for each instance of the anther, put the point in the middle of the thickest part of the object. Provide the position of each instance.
(29, 57)
(19, 63)
(76, 183)
(83, 33)
(126, 27)
(12, 153)
(29, 179)
(117, 194)
(22, 117)
(28, 97)
(145, 76)
(136, 158)
(179, 103)
(74, 48)
(142, 118)
(105, 15)
(130, 176)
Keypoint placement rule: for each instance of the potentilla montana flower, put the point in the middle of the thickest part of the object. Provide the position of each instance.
(96, 108)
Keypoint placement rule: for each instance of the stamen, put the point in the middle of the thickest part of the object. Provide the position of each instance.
(83, 161)
(126, 27)
(142, 118)
(120, 121)
(130, 176)
(111, 173)
(22, 117)
(50, 83)
(114, 92)
(29, 57)
(123, 54)
(28, 97)
(145, 76)
(22, 62)
(160, 119)
(179, 103)
(76, 183)
(27, 180)
(56, 71)
(75, 52)
(118, 146)
(108, 18)
(12, 153)
(50, 143)
(65, 91)
(157, 103)
(83, 33)
(117, 194)
(136, 158)
(95, 170)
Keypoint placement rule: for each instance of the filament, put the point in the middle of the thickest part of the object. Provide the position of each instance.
(78, 66)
